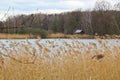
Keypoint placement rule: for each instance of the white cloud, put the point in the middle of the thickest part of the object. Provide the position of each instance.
(51, 11)
(1, 17)
(45, 6)
(73, 4)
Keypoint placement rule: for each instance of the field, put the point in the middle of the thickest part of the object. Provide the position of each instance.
(60, 59)
(16, 36)
(57, 35)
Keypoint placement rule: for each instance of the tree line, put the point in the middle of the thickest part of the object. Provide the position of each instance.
(103, 19)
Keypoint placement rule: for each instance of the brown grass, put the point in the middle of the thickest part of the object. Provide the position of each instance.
(71, 65)
(58, 35)
(82, 36)
(16, 36)
(61, 35)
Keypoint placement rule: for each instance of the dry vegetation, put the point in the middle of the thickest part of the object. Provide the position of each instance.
(58, 35)
(16, 36)
(61, 35)
(83, 36)
(69, 62)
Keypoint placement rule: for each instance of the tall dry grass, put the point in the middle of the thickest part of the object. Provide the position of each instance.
(61, 35)
(82, 36)
(76, 62)
(16, 36)
(58, 35)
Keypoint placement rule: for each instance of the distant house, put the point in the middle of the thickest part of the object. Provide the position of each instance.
(79, 31)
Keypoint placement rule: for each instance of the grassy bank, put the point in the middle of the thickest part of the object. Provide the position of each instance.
(83, 36)
(60, 35)
(84, 63)
(57, 35)
(16, 36)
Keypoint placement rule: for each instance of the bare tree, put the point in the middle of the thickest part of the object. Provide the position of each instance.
(87, 22)
(102, 5)
(116, 16)
(117, 6)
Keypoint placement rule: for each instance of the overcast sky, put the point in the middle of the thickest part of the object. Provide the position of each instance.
(45, 6)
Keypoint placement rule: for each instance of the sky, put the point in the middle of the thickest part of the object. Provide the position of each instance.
(14, 7)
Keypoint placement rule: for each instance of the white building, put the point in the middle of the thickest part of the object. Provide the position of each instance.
(79, 31)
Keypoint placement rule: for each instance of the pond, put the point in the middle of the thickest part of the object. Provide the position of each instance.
(51, 47)
(56, 42)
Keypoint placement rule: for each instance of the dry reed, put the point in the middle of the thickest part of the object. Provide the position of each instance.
(78, 62)
(16, 36)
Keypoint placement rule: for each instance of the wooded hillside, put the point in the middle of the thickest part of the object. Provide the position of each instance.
(103, 19)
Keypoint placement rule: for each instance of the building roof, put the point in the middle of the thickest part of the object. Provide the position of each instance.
(78, 31)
